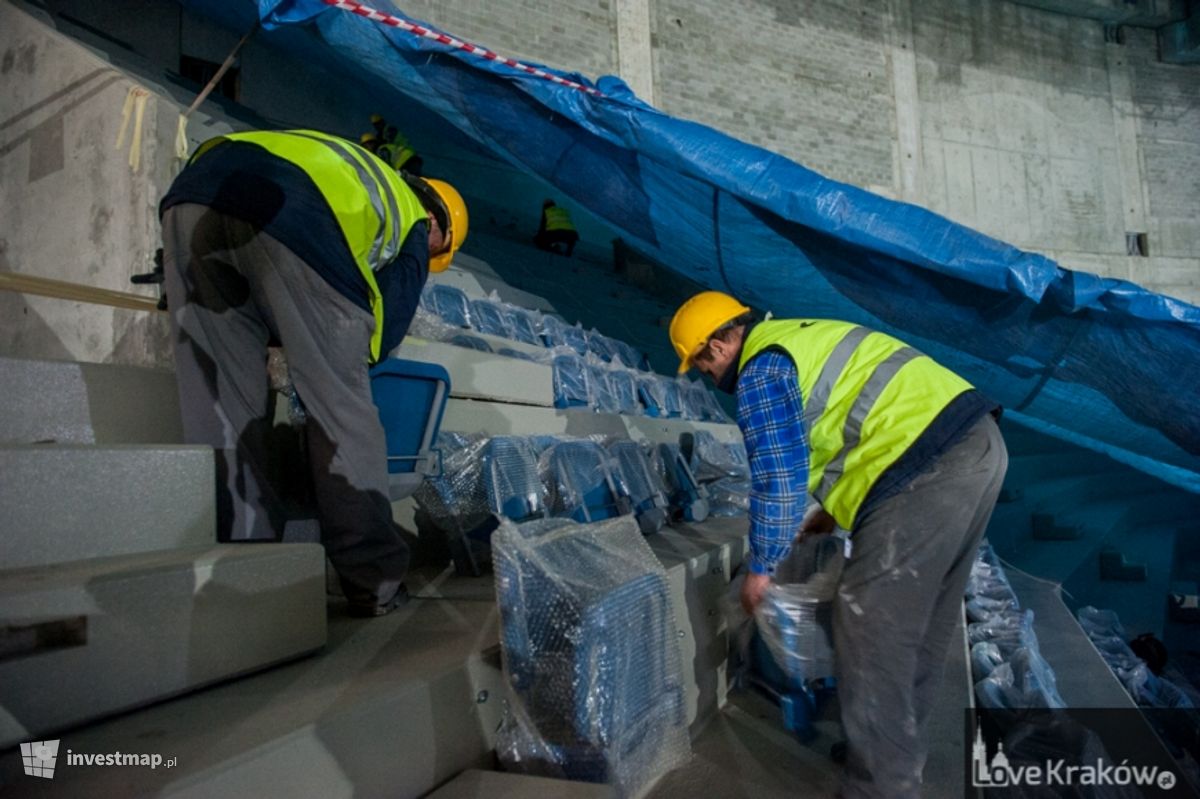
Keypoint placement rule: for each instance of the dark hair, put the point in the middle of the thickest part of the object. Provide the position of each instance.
(724, 333)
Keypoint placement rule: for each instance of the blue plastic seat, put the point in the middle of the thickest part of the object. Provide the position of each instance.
(639, 482)
(523, 324)
(488, 317)
(449, 303)
(572, 382)
(589, 657)
(411, 397)
(470, 342)
(623, 386)
(585, 488)
(510, 476)
(604, 399)
(687, 497)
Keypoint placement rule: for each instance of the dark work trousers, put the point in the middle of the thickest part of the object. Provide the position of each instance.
(898, 603)
(233, 289)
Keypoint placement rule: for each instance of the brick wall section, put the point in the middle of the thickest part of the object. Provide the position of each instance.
(803, 78)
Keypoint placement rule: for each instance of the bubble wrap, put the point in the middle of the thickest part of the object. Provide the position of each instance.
(685, 494)
(604, 399)
(652, 395)
(695, 400)
(449, 303)
(524, 324)
(795, 621)
(582, 482)
(1024, 681)
(557, 333)
(572, 380)
(711, 460)
(456, 502)
(1008, 631)
(470, 342)
(601, 346)
(623, 384)
(487, 316)
(672, 397)
(590, 653)
(641, 484)
(511, 482)
(729, 497)
(429, 326)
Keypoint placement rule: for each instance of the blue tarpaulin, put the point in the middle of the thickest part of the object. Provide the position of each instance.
(1099, 361)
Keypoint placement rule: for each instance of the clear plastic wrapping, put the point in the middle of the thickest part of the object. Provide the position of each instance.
(582, 482)
(688, 499)
(1008, 631)
(428, 325)
(488, 316)
(652, 395)
(591, 654)
(711, 460)
(511, 481)
(557, 333)
(796, 623)
(1024, 681)
(449, 303)
(623, 384)
(470, 342)
(985, 657)
(729, 497)
(601, 346)
(604, 400)
(524, 324)
(639, 482)
(455, 501)
(572, 379)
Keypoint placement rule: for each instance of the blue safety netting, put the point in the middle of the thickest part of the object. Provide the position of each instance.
(1099, 361)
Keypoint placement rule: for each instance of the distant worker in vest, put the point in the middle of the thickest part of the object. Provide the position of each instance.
(555, 232)
(899, 451)
(302, 240)
(396, 151)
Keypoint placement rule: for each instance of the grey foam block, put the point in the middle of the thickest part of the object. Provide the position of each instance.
(93, 638)
(65, 502)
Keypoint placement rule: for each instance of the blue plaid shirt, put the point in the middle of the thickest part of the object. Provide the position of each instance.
(770, 413)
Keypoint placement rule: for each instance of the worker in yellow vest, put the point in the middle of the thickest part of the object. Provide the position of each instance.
(556, 233)
(399, 153)
(900, 452)
(302, 240)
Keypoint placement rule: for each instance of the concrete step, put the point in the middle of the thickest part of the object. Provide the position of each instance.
(87, 403)
(392, 707)
(88, 639)
(64, 502)
(482, 375)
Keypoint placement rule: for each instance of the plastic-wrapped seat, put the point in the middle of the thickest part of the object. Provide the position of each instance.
(523, 324)
(709, 459)
(510, 478)
(688, 499)
(449, 303)
(652, 396)
(591, 654)
(672, 398)
(470, 342)
(623, 386)
(488, 317)
(641, 484)
(572, 381)
(557, 333)
(604, 399)
(583, 485)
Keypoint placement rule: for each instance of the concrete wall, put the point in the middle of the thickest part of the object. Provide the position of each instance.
(1019, 122)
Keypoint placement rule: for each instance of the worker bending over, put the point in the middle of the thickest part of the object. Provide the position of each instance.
(302, 240)
(901, 452)
(556, 233)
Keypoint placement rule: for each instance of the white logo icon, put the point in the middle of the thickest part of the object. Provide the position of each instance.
(39, 758)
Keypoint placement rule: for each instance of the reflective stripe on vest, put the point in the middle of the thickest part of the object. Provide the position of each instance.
(867, 399)
(558, 218)
(373, 207)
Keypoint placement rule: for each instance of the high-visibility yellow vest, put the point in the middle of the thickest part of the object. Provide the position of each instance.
(557, 218)
(373, 207)
(867, 398)
(397, 152)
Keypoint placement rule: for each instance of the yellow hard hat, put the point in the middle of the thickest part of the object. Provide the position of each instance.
(455, 224)
(376, 118)
(696, 321)
(367, 137)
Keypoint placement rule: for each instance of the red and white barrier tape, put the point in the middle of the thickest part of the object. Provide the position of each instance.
(474, 49)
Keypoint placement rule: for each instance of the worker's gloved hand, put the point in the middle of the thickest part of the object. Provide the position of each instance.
(753, 590)
(818, 522)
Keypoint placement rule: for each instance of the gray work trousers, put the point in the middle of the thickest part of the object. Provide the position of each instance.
(232, 290)
(898, 603)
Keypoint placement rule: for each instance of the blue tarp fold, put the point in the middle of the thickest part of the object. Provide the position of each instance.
(1098, 360)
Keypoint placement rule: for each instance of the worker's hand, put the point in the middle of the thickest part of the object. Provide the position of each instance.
(819, 522)
(752, 591)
